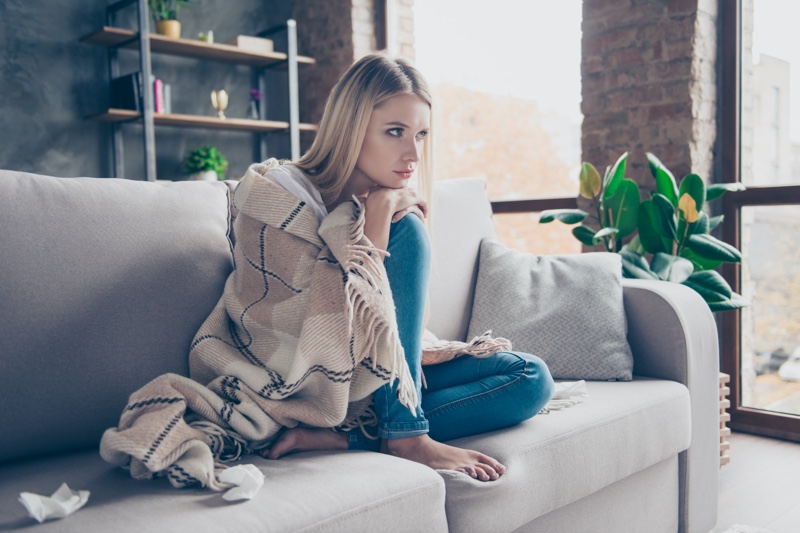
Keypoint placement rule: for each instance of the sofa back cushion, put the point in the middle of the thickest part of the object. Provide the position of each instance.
(103, 285)
(461, 216)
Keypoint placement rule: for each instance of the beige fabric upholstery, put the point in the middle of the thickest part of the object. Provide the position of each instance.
(103, 284)
(559, 458)
(614, 509)
(310, 492)
(673, 336)
(460, 218)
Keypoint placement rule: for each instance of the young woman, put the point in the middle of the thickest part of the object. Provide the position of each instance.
(375, 135)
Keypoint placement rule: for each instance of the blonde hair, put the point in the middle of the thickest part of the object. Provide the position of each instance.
(369, 81)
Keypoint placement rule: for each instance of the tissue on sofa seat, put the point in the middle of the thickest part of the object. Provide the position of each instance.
(313, 491)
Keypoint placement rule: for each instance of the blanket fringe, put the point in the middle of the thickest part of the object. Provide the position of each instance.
(435, 351)
(367, 262)
(367, 418)
(226, 445)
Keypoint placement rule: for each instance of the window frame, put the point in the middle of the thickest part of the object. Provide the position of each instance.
(745, 419)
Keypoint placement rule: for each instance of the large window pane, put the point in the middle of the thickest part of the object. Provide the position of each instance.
(770, 371)
(770, 93)
(506, 78)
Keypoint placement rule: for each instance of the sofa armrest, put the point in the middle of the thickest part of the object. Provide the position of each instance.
(673, 335)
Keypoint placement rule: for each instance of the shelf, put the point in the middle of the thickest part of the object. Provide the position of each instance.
(198, 121)
(111, 37)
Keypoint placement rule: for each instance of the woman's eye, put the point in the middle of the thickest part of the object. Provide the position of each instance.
(395, 132)
(422, 134)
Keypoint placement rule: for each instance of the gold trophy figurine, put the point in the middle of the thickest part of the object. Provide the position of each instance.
(219, 99)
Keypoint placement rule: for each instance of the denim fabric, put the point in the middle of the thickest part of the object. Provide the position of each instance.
(464, 396)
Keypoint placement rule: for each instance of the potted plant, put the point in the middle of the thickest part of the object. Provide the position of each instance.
(672, 240)
(165, 13)
(205, 163)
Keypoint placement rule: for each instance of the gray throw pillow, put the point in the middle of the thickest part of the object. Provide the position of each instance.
(566, 309)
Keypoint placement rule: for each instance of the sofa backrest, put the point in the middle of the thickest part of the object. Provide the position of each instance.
(461, 216)
(103, 284)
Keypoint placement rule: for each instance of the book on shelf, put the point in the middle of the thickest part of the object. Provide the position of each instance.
(158, 96)
(126, 93)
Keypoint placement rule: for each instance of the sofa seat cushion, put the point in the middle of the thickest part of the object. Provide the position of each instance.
(561, 457)
(313, 491)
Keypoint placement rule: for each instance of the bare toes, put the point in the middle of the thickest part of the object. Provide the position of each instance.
(491, 472)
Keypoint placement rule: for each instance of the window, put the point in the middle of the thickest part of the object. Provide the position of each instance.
(761, 146)
(506, 79)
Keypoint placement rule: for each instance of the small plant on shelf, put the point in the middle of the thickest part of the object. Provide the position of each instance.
(205, 163)
(165, 13)
(166, 9)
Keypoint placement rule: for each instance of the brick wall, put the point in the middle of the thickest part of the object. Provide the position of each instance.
(649, 84)
(336, 33)
(404, 29)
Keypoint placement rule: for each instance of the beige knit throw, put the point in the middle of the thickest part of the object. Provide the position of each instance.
(303, 334)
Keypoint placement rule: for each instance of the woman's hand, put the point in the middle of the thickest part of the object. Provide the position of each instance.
(386, 206)
(398, 202)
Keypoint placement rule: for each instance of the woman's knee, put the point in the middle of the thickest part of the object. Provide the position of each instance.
(408, 238)
(539, 386)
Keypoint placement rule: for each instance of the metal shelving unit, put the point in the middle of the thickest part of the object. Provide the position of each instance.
(115, 38)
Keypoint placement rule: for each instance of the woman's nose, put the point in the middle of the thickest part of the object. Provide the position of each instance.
(413, 150)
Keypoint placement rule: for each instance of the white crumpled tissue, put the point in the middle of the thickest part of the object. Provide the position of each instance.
(567, 394)
(63, 502)
(248, 480)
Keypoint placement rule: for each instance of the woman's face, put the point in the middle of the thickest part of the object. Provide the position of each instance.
(392, 144)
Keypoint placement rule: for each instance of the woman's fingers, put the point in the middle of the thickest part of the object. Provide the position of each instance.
(412, 209)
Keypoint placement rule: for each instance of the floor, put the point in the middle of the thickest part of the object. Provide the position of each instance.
(760, 487)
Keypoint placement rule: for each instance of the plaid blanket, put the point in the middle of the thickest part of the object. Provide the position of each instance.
(303, 334)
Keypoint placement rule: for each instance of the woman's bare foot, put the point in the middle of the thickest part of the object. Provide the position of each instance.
(303, 440)
(437, 455)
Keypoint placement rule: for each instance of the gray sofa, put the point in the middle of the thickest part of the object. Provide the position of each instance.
(104, 282)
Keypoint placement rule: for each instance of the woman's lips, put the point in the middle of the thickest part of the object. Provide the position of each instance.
(405, 174)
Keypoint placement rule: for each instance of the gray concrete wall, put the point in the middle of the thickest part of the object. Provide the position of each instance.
(50, 81)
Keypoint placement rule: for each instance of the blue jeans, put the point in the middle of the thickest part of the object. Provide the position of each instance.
(465, 396)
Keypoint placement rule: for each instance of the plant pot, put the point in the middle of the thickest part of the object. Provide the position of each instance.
(208, 175)
(170, 28)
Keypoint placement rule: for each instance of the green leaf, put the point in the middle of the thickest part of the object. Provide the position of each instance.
(710, 285)
(693, 185)
(710, 247)
(699, 263)
(701, 226)
(584, 234)
(736, 301)
(635, 245)
(650, 238)
(671, 268)
(624, 207)
(605, 232)
(567, 216)
(665, 181)
(714, 222)
(614, 177)
(665, 219)
(718, 189)
(635, 266)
